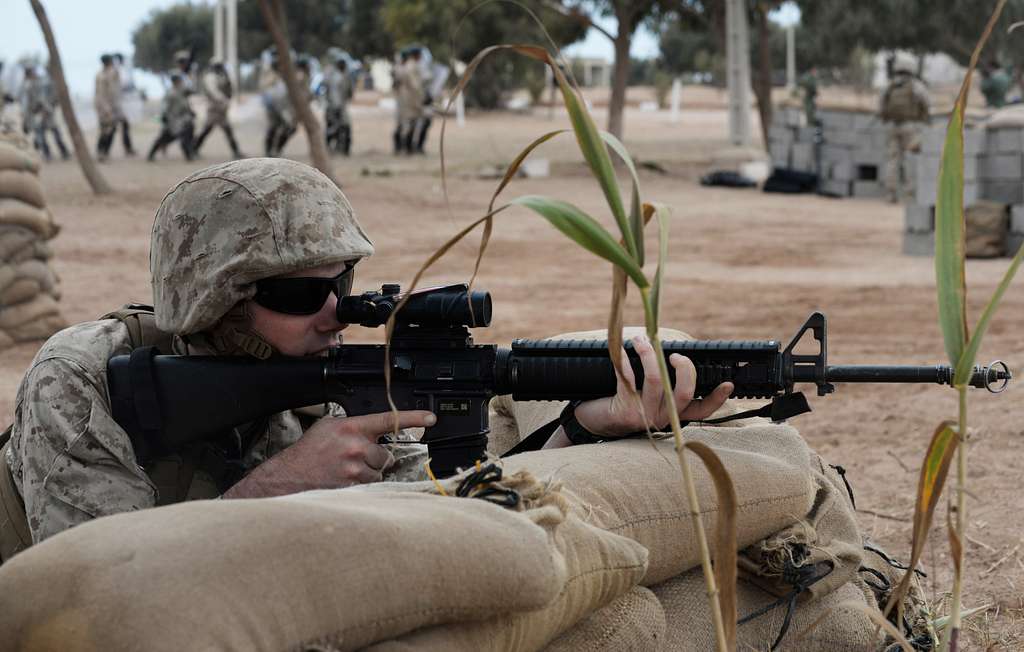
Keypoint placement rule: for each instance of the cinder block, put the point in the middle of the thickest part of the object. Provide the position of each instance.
(925, 191)
(927, 167)
(840, 170)
(972, 165)
(780, 154)
(842, 120)
(780, 132)
(869, 156)
(806, 134)
(868, 189)
(802, 157)
(836, 187)
(1014, 241)
(972, 193)
(876, 139)
(863, 121)
(974, 141)
(1017, 218)
(1002, 167)
(919, 244)
(918, 218)
(932, 139)
(1004, 192)
(847, 138)
(1005, 140)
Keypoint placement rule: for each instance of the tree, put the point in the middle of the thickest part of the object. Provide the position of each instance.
(459, 29)
(92, 173)
(314, 26)
(277, 25)
(182, 26)
(628, 15)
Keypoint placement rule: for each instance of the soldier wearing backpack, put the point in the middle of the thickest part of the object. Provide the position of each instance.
(904, 109)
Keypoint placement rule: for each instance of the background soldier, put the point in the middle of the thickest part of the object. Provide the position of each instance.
(122, 120)
(218, 91)
(107, 102)
(339, 91)
(280, 117)
(410, 97)
(904, 109)
(177, 118)
(809, 85)
(994, 84)
(38, 106)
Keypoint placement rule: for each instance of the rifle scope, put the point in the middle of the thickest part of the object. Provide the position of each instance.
(438, 307)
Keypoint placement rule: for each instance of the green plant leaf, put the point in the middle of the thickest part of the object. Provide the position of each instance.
(930, 482)
(965, 367)
(942, 622)
(585, 231)
(636, 221)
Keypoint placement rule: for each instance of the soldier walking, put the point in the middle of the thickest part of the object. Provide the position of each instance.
(38, 107)
(339, 91)
(904, 110)
(410, 96)
(122, 118)
(280, 116)
(107, 102)
(218, 91)
(177, 118)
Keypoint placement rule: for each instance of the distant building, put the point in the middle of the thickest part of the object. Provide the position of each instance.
(589, 71)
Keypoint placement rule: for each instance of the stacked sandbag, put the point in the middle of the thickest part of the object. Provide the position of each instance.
(29, 287)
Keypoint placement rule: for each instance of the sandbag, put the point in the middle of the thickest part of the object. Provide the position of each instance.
(987, 224)
(38, 271)
(22, 289)
(7, 276)
(635, 622)
(333, 570)
(634, 488)
(13, 238)
(6, 341)
(22, 185)
(687, 611)
(18, 212)
(38, 329)
(23, 313)
(1009, 117)
(14, 158)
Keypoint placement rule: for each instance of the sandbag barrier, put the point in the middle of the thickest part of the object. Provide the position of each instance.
(29, 288)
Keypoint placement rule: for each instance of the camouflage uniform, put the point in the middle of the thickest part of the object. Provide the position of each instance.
(215, 234)
(107, 102)
(410, 95)
(339, 127)
(178, 120)
(904, 109)
(38, 108)
(281, 122)
(218, 91)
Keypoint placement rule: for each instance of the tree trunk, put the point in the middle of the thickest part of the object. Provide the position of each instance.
(620, 76)
(92, 173)
(274, 17)
(763, 80)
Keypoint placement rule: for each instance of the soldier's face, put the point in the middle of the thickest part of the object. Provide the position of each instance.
(301, 334)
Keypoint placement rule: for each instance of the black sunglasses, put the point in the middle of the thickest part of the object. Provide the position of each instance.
(302, 295)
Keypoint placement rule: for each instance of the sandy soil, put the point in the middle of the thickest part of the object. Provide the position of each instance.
(745, 265)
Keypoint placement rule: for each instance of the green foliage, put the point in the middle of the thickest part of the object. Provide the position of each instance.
(313, 26)
(433, 23)
(182, 26)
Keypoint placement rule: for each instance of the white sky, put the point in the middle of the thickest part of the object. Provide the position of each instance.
(85, 29)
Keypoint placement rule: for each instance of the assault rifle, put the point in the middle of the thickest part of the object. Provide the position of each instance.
(165, 402)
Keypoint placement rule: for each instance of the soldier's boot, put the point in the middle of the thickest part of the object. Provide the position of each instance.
(397, 138)
(230, 134)
(407, 141)
(187, 143)
(198, 145)
(285, 136)
(161, 141)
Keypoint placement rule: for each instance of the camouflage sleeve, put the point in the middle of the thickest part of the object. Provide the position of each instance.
(77, 463)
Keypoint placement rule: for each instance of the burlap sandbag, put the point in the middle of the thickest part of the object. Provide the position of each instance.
(14, 238)
(23, 313)
(634, 488)
(633, 622)
(685, 602)
(22, 185)
(38, 329)
(987, 224)
(38, 271)
(14, 158)
(7, 276)
(15, 211)
(329, 570)
(21, 289)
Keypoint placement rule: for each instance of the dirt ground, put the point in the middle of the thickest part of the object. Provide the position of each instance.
(744, 265)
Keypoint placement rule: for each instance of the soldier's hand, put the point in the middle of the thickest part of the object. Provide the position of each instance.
(620, 414)
(334, 452)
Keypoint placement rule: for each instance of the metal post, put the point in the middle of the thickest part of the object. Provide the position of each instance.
(791, 57)
(218, 30)
(231, 56)
(738, 73)
(675, 99)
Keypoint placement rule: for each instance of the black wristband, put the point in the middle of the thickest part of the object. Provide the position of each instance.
(576, 433)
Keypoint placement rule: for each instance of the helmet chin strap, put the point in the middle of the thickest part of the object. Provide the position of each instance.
(233, 335)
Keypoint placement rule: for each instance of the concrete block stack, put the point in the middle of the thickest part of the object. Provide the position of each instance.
(993, 171)
(29, 288)
(852, 149)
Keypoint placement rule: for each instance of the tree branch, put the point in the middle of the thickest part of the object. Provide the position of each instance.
(578, 15)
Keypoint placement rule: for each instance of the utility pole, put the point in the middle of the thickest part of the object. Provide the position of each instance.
(737, 38)
(791, 58)
(225, 38)
(218, 30)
